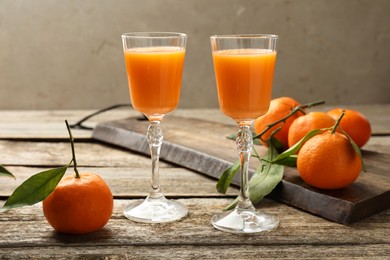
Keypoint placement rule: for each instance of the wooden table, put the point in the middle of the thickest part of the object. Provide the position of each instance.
(31, 141)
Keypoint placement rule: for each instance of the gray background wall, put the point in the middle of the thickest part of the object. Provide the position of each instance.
(68, 54)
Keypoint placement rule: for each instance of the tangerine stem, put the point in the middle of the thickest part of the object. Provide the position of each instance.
(337, 122)
(73, 152)
(293, 111)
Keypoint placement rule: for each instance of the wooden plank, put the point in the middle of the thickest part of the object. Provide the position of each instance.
(207, 151)
(379, 144)
(26, 227)
(195, 251)
(29, 153)
(133, 182)
(49, 124)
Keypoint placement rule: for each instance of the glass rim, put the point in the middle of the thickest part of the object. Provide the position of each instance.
(245, 36)
(142, 35)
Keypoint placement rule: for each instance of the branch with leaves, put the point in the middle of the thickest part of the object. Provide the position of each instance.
(271, 166)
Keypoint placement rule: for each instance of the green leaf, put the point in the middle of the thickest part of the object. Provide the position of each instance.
(263, 183)
(35, 189)
(355, 147)
(295, 148)
(227, 176)
(290, 161)
(232, 136)
(5, 172)
(264, 180)
(274, 142)
(257, 141)
(231, 205)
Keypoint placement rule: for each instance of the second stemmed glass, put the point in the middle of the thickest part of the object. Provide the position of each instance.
(244, 68)
(154, 64)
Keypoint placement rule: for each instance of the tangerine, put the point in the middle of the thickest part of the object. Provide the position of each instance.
(279, 108)
(79, 205)
(328, 161)
(355, 124)
(304, 124)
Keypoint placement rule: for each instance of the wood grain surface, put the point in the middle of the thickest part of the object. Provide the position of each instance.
(194, 237)
(32, 141)
(49, 124)
(132, 181)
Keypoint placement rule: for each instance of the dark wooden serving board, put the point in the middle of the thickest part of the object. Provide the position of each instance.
(202, 146)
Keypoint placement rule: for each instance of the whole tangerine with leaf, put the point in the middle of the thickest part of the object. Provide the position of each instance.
(80, 204)
(76, 204)
(329, 160)
(304, 124)
(279, 108)
(356, 125)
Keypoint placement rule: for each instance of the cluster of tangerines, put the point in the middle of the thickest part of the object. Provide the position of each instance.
(326, 160)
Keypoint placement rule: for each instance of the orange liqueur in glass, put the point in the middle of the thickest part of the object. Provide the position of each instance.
(244, 79)
(155, 75)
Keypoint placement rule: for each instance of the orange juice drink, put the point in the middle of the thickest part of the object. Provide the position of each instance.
(244, 81)
(154, 76)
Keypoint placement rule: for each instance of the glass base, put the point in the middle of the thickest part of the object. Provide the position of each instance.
(158, 210)
(244, 221)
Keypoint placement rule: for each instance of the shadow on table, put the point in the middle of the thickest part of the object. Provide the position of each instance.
(98, 236)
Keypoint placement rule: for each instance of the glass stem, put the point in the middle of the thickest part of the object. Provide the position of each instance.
(244, 144)
(155, 139)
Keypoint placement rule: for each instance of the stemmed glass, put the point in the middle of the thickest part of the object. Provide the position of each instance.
(154, 64)
(244, 68)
